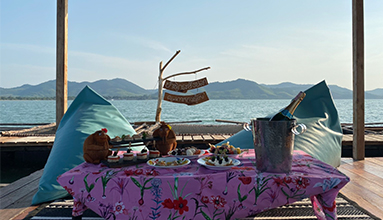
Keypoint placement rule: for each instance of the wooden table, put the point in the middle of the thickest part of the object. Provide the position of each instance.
(193, 191)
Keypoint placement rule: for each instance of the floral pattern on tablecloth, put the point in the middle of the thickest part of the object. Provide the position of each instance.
(195, 192)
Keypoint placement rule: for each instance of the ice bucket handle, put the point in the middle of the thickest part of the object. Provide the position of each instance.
(297, 131)
(303, 128)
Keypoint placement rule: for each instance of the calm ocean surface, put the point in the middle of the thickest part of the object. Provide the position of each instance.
(43, 111)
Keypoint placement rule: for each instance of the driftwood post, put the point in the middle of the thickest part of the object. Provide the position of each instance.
(61, 60)
(159, 102)
(161, 81)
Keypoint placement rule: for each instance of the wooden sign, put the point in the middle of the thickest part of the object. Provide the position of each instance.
(185, 86)
(187, 99)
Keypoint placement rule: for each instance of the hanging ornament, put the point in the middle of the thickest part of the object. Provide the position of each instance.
(187, 99)
(185, 86)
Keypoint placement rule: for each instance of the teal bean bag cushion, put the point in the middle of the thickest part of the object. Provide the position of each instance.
(323, 137)
(88, 113)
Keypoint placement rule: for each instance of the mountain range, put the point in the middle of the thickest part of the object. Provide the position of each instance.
(124, 89)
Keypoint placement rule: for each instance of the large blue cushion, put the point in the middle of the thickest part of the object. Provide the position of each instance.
(323, 138)
(88, 113)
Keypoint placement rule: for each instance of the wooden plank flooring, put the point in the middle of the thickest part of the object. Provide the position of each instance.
(366, 185)
(16, 198)
(365, 188)
(370, 139)
(13, 142)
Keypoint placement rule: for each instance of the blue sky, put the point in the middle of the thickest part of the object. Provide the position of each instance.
(269, 42)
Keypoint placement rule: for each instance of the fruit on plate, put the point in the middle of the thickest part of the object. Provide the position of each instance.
(186, 151)
(218, 160)
(225, 148)
(166, 163)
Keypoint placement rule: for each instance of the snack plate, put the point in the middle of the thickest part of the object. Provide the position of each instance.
(153, 162)
(202, 162)
(233, 155)
(123, 163)
(203, 153)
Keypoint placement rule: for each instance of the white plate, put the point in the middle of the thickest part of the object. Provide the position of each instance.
(212, 167)
(153, 162)
(239, 155)
(203, 152)
(234, 155)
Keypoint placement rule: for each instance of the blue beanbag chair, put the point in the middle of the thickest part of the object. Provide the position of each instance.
(88, 113)
(323, 137)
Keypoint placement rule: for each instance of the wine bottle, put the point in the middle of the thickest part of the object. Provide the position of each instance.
(287, 113)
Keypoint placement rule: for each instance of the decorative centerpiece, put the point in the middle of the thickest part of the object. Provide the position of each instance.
(96, 147)
(167, 138)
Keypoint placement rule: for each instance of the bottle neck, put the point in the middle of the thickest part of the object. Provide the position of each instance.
(295, 102)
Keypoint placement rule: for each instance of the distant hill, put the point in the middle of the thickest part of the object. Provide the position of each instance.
(336, 91)
(378, 92)
(239, 89)
(123, 89)
(107, 88)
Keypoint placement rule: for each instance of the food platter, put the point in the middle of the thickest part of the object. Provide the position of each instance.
(229, 150)
(123, 163)
(168, 162)
(203, 153)
(202, 161)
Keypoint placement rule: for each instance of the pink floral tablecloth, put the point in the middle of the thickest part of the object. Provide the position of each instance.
(195, 192)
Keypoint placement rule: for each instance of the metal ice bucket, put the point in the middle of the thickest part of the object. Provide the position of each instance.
(274, 143)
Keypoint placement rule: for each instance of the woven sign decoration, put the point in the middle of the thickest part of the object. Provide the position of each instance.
(187, 99)
(185, 86)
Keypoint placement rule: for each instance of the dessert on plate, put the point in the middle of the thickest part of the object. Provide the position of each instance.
(154, 153)
(143, 155)
(186, 151)
(225, 147)
(113, 159)
(219, 160)
(117, 139)
(128, 155)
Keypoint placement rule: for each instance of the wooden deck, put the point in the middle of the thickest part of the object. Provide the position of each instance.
(43, 136)
(16, 198)
(34, 142)
(14, 143)
(370, 139)
(366, 185)
(365, 188)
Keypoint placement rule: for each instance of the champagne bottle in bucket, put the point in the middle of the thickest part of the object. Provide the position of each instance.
(287, 113)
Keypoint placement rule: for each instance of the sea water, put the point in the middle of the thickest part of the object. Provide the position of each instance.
(43, 111)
